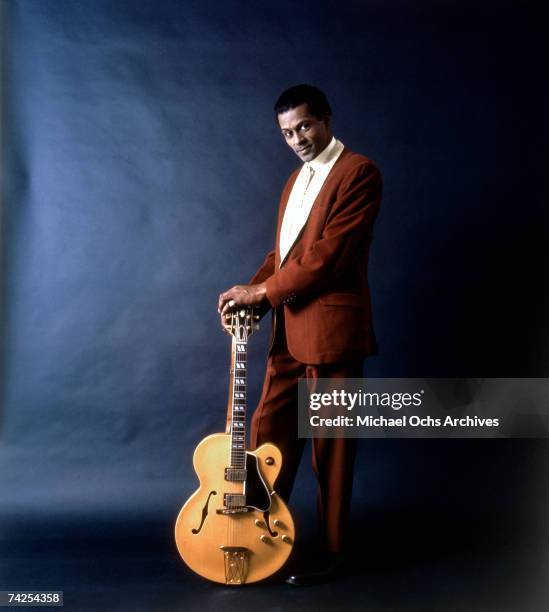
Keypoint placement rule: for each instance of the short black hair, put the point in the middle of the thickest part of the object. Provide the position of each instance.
(303, 94)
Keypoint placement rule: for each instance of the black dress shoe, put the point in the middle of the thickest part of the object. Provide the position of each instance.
(326, 572)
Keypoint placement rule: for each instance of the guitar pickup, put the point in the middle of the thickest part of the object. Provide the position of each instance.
(234, 500)
(235, 474)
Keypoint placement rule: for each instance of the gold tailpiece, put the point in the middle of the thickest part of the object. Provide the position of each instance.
(236, 564)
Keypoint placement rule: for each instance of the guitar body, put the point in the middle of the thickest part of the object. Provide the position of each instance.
(240, 546)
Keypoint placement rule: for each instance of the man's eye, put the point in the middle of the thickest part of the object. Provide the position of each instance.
(304, 127)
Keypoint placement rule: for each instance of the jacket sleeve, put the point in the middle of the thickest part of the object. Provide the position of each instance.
(348, 225)
(265, 271)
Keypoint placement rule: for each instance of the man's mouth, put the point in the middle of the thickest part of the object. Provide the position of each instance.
(305, 149)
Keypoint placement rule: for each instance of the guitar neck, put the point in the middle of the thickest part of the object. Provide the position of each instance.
(237, 395)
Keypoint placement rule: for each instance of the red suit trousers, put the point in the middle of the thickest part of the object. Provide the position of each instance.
(276, 420)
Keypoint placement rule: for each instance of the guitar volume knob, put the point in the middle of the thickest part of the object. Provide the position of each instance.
(264, 539)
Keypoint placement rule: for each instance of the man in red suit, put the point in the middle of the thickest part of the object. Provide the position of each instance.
(316, 282)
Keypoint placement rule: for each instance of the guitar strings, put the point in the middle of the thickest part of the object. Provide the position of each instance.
(238, 422)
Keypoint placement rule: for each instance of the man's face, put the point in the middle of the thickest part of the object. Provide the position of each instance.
(306, 135)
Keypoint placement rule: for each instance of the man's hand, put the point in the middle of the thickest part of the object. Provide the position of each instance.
(225, 323)
(241, 295)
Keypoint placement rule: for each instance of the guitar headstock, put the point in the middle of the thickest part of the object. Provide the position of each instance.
(243, 322)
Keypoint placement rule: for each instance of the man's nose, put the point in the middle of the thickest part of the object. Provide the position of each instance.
(298, 139)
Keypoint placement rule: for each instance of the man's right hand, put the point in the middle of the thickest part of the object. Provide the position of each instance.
(242, 295)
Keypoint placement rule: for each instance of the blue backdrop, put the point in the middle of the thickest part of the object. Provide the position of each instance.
(142, 170)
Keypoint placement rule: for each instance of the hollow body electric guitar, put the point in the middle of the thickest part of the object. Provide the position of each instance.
(235, 529)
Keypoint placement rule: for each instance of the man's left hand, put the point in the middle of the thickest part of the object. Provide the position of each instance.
(241, 295)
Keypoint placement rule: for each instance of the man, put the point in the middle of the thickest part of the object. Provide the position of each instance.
(316, 282)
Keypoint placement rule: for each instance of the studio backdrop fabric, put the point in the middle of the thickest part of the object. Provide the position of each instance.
(142, 167)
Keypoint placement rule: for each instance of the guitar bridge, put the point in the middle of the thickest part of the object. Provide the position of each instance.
(236, 564)
(232, 510)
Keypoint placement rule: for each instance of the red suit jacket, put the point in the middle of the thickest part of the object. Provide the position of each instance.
(323, 283)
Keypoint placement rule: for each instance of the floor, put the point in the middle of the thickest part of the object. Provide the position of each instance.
(399, 561)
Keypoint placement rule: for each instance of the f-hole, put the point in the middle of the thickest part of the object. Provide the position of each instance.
(266, 517)
(205, 513)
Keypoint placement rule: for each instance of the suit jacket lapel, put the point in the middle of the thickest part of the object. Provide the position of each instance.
(282, 209)
(284, 202)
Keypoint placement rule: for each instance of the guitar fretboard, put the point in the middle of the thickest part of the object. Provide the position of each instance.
(238, 420)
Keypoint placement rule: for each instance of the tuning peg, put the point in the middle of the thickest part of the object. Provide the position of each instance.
(256, 326)
(256, 317)
(242, 313)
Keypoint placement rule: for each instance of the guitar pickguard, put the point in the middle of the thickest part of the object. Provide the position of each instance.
(258, 496)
